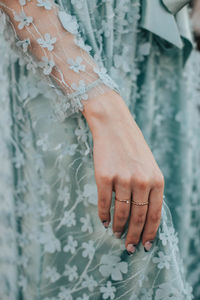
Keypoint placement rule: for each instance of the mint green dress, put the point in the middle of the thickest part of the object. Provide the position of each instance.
(52, 243)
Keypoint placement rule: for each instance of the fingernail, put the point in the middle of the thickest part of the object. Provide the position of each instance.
(105, 224)
(131, 249)
(148, 245)
(117, 234)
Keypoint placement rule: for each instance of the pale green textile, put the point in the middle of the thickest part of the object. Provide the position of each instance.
(53, 246)
(173, 29)
(175, 5)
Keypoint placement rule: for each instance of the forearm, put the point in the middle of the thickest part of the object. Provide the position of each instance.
(74, 77)
(46, 21)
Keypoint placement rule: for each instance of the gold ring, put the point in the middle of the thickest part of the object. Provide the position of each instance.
(124, 200)
(139, 203)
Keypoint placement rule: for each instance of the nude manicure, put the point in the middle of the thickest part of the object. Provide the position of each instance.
(147, 246)
(105, 224)
(131, 248)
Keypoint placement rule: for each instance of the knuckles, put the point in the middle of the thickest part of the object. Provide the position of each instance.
(137, 178)
(105, 179)
(159, 181)
(141, 182)
(155, 217)
(139, 219)
(122, 214)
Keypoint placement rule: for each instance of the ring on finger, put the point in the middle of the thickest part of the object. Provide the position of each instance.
(123, 200)
(139, 203)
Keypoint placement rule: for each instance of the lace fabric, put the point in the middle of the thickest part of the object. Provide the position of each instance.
(50, 42)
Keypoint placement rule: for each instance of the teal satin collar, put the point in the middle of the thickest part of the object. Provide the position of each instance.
(157, 17)
(175, 5)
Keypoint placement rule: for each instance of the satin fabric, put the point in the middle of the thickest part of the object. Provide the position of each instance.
(175, 5)
(160, 20)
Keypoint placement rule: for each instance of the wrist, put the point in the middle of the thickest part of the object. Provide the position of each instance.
(104, 111)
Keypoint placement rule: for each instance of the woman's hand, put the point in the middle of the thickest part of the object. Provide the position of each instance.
(124, 163)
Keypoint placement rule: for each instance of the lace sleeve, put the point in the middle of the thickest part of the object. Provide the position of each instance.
(50, 41)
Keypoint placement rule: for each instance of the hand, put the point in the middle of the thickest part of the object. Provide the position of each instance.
(124, 163)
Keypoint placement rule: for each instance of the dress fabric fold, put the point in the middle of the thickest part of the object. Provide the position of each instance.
(175, 6)
(173, 29)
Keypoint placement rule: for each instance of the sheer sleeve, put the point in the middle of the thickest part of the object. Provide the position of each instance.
(50, 42)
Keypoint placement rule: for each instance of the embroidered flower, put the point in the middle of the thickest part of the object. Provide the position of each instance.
(76, 64)
(81, 134)
(112, 265)
(64, 294)
(70, 149)
(44, 3)
(80, 43)
(71, 272)
(48, 239)
(52, 274)
(68, 22)
(121, 62)
(44, 210)
(86, 224)
(81, 89)
(89, 249)
(43, 189)
(32, 65)
(102, 72)
(43, 142)
(23, 44)
(108, 291)
(162, 260)
(64, 195)
(47, 65)
(90, 194)
(166, 291)
(68, 220)
(169, 236)
(47, 42)
(89, 282)
(71, 245)
(23, 19)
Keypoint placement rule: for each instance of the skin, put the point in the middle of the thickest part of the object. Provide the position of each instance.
(123, 161)
(125, 164)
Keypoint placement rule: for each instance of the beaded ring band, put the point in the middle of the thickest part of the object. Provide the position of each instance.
(132, 201)
(139, 203)
(124, 200)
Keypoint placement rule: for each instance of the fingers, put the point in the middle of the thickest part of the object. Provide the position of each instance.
(104, 187)
(122, 209)
(153, 215)
(137, 218)
(144, 220)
